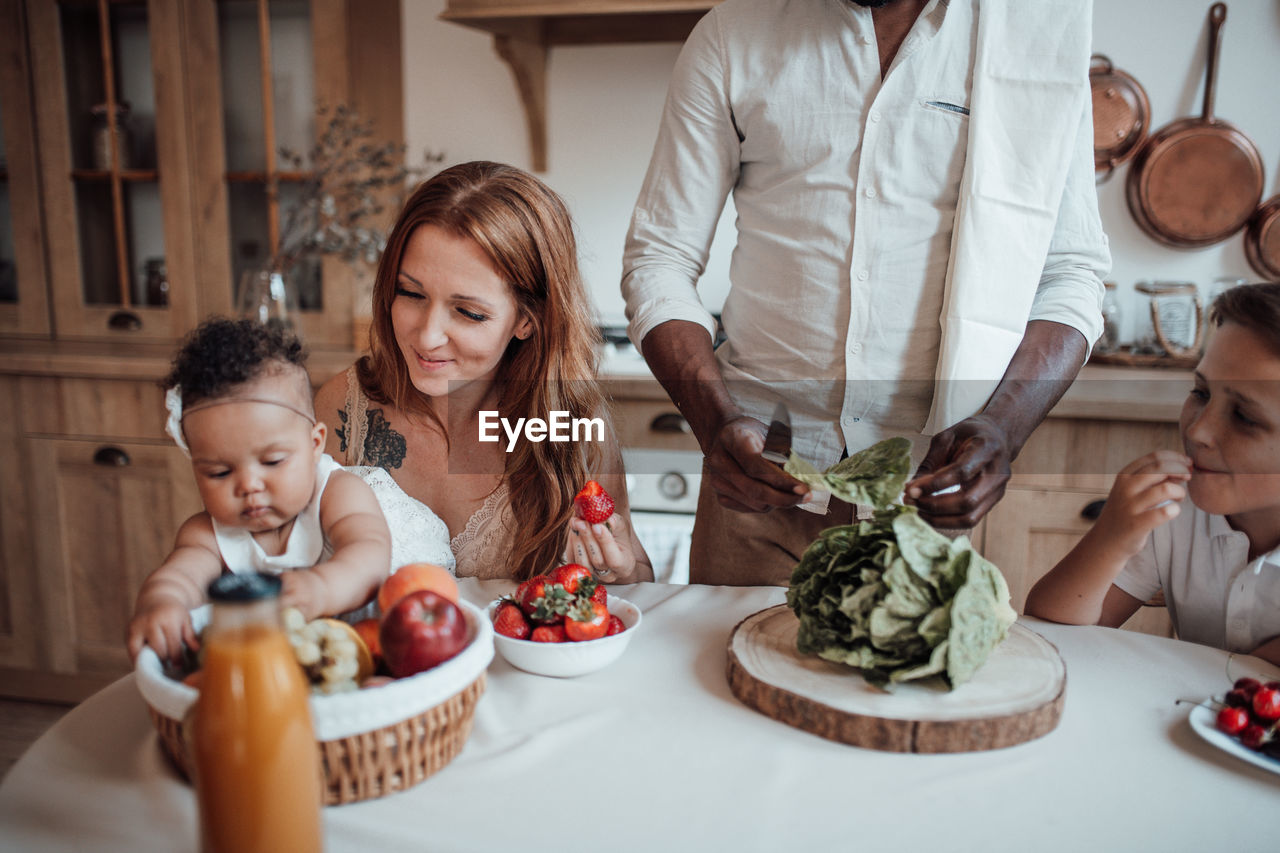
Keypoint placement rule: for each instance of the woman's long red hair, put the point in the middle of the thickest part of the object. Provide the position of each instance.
(525, 230)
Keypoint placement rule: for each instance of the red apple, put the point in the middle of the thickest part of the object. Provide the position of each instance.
(420, 631)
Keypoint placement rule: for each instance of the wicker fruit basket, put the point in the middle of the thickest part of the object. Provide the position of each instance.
(372, 742)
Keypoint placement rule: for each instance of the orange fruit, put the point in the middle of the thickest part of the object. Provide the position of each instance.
(413, 577)
(192, 679)
(368, 631)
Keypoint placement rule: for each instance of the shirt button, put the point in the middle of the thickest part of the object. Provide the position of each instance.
(847, 421)
(875, 116)
(855, 348)
(871, 192)
(863, 275)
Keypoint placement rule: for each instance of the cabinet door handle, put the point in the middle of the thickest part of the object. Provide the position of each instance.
(124, 321)
(111, 457)
(670, 422)
(1093, 509)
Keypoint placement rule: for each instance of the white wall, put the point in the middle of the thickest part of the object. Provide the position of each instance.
(605, 102)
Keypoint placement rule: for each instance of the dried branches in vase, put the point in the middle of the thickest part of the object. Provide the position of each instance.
(352, 180)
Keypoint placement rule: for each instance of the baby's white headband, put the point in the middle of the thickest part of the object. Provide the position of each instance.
(173, 404)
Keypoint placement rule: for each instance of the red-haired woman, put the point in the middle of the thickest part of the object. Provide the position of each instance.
(479, 314)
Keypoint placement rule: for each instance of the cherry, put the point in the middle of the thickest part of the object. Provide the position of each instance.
(1237, 699)
(1247, 685)
(1266, 703)
(1253, 736)
(1232, 720)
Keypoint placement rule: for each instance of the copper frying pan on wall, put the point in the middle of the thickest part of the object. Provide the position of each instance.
(1198, 180)
(1262, 239)
(1121, 115)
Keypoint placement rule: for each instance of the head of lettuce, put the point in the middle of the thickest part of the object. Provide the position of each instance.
(890, 595)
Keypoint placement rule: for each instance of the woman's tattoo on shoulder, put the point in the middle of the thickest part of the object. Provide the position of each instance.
(341, 432)
(383, 446)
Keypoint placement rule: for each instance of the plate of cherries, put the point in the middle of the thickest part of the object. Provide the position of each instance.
(1245, 723)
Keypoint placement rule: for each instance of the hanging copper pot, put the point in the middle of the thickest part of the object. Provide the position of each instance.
(1198, 180)
(1262, 239)
(1121, 115)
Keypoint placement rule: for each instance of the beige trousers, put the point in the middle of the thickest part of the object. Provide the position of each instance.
(753, 548)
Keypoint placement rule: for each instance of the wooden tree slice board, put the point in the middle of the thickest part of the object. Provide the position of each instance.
(1015, 697)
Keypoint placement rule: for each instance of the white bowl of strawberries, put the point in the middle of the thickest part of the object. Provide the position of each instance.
(562, 624)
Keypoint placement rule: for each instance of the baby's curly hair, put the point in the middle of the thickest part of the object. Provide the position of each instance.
(221, 354)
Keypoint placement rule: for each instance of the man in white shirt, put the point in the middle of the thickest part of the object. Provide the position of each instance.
(919, 251)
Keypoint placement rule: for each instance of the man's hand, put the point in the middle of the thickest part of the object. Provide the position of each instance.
(963, 475)
(743, 479)
(974, 456)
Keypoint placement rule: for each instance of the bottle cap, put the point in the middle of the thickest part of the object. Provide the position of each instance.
(252, 586)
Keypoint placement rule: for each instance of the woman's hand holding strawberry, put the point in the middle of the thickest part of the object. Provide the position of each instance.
(599, 538)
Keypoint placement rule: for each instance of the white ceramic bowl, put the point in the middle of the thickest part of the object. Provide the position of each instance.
(345, 714)
(565, 660)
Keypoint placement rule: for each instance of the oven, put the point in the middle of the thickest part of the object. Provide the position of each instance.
(663, 488)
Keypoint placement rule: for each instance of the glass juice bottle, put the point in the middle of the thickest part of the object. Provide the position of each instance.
(257, 768)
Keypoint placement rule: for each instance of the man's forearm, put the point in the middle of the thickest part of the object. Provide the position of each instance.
(1042, 369)
(680, 355)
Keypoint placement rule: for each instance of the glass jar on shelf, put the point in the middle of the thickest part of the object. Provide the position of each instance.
(1111, 319)
(105, 125)
(1172, 320)
(1222, 284)
(155, 281)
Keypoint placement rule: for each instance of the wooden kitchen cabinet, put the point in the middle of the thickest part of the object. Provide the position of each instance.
(107, 518)
(109, 491)
(18, 639)
(192, 191)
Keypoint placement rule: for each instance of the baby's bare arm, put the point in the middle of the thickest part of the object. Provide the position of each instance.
(353, 523)
(161, 615)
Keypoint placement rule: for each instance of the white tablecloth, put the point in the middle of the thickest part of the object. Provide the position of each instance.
(655, 753)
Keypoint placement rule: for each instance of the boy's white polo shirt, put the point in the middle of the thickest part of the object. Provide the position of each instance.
(1215, 594)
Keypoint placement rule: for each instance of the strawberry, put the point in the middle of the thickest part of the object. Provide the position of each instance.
(594, 506)
(591, 588)
(570, 576)
(586, 620)
(509, 621)
(551, 605)
(528, 593)
(615, 626)
(548, 634)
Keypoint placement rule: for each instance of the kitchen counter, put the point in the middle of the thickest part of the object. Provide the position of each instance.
(1100, 392)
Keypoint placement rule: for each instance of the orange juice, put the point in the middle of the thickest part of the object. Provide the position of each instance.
(257, 768)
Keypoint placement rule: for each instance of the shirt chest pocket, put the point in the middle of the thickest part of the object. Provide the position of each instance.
(937, 127)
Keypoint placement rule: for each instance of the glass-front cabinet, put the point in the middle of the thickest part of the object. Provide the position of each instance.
(23, 290)
(153, 141)
(113, 160)
(141, 176)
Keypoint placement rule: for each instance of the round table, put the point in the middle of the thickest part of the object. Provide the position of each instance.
(655, 753)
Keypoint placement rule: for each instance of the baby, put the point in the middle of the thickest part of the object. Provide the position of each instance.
(1216, 556)
(240, 405)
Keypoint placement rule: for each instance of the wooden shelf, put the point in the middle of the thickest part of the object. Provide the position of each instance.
(128, 175)
(260, 177)
(524, 31)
